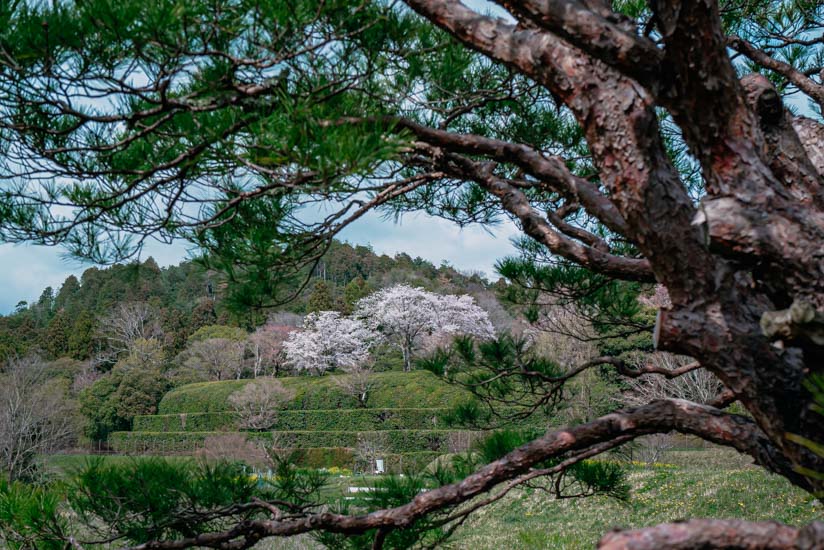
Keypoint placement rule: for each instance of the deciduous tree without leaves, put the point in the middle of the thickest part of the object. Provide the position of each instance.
(259, 402)
(217, 358)
(266, 345)
(35, 417)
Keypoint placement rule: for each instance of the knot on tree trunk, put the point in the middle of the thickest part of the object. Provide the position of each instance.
(763, 99)
(800, 322)
(792, 157)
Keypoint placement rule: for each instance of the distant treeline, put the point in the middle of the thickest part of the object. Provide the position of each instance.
(64, 322)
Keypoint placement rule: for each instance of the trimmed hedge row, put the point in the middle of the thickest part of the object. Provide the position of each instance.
(393, 390)
(192, 422)
(319, 420)
(394, 441)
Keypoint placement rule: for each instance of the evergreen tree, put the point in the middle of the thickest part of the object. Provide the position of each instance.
(57, 335)
(176, 328)
(134, 386)
(67, 295)
(43, 310)
(203, 315)
(82, 335)
(356, 289)
(321, 298)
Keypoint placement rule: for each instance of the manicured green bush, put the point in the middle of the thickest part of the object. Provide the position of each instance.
(200, 397)
(344, 457)
(409, 462)
(323, 457)
(157, 442)
(395, 441)
(393, 390)
(183, 422)
(323, 420)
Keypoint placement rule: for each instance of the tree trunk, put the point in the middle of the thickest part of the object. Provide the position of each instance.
(406, 349)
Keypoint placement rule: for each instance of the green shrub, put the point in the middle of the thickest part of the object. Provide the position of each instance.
(501, 442)
(322, 420)
(196, 422)
(28, 512)
(322, 457)
(147, 499)
(332, 420)
(139, 497)
(393, 390)
(388, 492)
(397, 441)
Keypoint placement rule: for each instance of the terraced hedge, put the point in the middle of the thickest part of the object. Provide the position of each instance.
(393, 390)
(194, 422)
(321, 424)
(395, 441)
(322, 420)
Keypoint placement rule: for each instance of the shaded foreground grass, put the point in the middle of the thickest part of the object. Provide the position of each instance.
(691, 484)
(688, 484)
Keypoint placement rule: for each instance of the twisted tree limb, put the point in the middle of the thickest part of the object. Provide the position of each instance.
(601, 33)
(621, 126)
(799, 79)
(536, 226)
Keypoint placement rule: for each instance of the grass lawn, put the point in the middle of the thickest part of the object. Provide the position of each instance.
(61, 465)
(692, 484)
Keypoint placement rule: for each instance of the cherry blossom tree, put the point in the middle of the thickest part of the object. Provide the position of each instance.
(329, 341)
(407, 316)
(461, 315)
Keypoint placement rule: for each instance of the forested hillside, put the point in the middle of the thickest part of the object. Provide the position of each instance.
(66, 321)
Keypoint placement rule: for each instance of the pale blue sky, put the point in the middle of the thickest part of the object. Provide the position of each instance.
(26, 270)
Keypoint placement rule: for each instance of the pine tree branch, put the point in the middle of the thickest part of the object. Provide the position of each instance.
(788, 156)
(621, 127)
(762, 58)
(600, 32)
(552, 171)
(536, 226)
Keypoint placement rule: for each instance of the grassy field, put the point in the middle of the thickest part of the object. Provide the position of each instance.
(688, 484)
(691, 484)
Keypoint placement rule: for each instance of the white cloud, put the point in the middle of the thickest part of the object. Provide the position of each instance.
(27, 270)
(434, 239)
